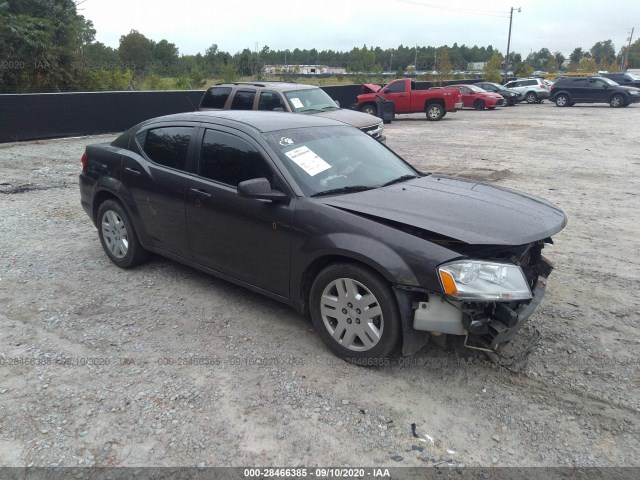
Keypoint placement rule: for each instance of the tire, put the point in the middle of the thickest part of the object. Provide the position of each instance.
(117, 236)
(370, 108)
(617, 101)
(356, 290)
(435, 112)
(479, 105)
(562, 100)
(531, 97)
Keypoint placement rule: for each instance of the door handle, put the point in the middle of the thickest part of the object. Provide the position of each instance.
(201, 194)
(132, 171)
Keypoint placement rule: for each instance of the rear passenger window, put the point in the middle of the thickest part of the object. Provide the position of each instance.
(243, 100)
(581, 82)
(215, 97)
(228, 159)
(167, 146)
(270, 101)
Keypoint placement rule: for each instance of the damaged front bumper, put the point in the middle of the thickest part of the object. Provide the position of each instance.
(485, 325)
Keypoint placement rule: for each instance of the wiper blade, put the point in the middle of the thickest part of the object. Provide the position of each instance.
(350, 189)
(403, 178)
(330, 107)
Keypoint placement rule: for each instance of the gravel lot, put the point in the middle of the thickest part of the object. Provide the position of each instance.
(163, 365)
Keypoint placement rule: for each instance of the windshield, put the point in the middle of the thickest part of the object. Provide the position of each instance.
(476, 89)
(633, 77)
(329, 158)
(309, 100)
(497, 86)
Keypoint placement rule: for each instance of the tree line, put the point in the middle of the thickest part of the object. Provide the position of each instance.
(48, 46)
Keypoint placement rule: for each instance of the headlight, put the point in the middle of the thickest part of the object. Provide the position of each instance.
(483, 280)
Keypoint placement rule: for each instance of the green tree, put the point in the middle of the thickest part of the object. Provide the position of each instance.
(524, 70)
(633, 57)
(442, 64)
(165, 55)
(587, 65)
(491, 71)
(42, 40)
(603, 52)
(136, 51)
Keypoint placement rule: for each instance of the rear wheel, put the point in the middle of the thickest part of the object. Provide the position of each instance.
(562, 100)
(617, 101)
(435, 112)
(479, 105)
(531, 97)
(355, 313)
(117, 236)
(369, 108)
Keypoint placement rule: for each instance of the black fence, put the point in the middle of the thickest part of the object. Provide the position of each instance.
(52, 115)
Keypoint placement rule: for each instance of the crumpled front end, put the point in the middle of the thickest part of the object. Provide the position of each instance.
(487, 324)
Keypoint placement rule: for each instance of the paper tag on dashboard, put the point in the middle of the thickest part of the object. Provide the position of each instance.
(308, 160)
(297, 103)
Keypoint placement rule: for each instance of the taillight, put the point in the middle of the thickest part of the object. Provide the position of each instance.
(83, 160)
(543, 85)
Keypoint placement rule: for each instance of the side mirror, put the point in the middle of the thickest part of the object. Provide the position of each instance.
(278, 109)
(337, 103)
(386, 91)
(260, 188)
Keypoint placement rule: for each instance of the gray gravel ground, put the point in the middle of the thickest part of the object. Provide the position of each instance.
(164, 365)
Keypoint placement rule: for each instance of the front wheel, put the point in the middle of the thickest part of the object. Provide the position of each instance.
(479, 105)
(617, 101)
(355, 312)
(117, 236)
(435, 112)
(531, 97)
(562, 101)
(369, 108)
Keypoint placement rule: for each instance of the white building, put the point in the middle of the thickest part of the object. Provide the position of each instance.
(303, 69)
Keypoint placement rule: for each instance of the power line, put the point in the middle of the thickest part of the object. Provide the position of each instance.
(452, 9)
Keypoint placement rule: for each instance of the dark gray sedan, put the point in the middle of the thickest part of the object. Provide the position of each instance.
(321, 216)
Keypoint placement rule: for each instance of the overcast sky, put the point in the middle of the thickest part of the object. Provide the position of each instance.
(193, 25)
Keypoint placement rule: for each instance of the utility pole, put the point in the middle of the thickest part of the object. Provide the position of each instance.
(626, 53)
(415, 61)
(506, 59)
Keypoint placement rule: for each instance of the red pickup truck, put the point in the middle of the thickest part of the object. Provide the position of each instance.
(407, 98)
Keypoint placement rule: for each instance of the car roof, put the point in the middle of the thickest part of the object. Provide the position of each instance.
(262, 121)
(273, 85)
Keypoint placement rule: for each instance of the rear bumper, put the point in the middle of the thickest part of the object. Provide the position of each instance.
(87, 185)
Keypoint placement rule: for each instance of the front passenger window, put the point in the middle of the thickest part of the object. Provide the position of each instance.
(228, 159)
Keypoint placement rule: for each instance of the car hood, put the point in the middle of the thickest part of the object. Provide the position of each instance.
(463, 210)
(624, 87)
(370, 88)
(357, 119)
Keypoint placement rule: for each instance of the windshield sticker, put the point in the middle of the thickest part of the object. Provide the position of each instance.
(284, 141)
(308, 160)
(296, 102)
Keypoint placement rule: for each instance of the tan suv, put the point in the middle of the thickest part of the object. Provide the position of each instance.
(287, 97)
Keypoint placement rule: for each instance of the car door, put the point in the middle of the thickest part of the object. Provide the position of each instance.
(246, 239)
(158, 180)
(468, 96)
(578, 89)
(599, 90)
(396, 92)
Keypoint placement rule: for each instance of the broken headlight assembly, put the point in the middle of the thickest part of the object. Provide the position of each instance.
(480, 280)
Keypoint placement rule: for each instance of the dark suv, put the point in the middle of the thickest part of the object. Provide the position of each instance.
(626, 79)
(287, 97)
(567, 91)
